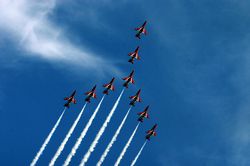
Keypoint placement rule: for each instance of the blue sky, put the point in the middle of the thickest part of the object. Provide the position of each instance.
(194, 74)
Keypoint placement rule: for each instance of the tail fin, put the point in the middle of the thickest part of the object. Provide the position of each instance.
(66, 105)
(138, 36)
(132, 103)
(131, 60)
(106, 92)
(140, 119)
(87, 99)
(125, 84)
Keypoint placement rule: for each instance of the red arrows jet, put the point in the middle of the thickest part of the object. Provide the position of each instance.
(151, 132)
(141, 30)
(90, 94)
(143, 114)
(70, 99)
(135, 98)
(109, 86)
(134, 55)
(129, 79)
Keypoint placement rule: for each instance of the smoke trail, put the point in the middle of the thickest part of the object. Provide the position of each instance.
(61, 147)
(101, 131)
(84, 132)
(126, 146)
(105, 153)
(139, 153)
(40, 152)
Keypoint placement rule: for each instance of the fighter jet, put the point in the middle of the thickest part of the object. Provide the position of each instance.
(70, 99)
(151, 132)
(109, 86)
(143, 114)
(129, 79)
(141, 30)
(90, 94)
(135, 98)
(134, 55)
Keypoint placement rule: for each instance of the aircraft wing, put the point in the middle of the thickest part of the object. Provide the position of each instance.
(131, 54)
(143, 114)
(106, 85)
(92, 94)
(126, 78)
(66, 98)
(112, 88)
(138, 99)
(138, 29)
(140, 113)
(137, 57)
(132, 97)
(131, 81)
(88, 93)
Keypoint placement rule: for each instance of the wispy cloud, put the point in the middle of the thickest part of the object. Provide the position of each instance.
(28, 23)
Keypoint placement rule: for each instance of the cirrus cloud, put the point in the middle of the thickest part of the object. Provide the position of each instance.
(27, 22)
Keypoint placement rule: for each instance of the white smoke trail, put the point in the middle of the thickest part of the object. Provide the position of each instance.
(61, 147)
(105, 153)
(101, 131)
(84, 132)
(139, 153)
(126, 146)
(40, 152)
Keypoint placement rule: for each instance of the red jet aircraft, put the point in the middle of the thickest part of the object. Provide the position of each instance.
(141, 30)
(134, 55)
(70, 99)
(109, 86)
(90, 94)
(129, 79)
(143, 114)
(151, 132)
(135, 98)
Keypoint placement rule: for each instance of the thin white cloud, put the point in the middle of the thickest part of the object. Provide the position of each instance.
(28, 23)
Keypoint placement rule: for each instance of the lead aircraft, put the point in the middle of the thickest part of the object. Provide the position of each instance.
(141, 30)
